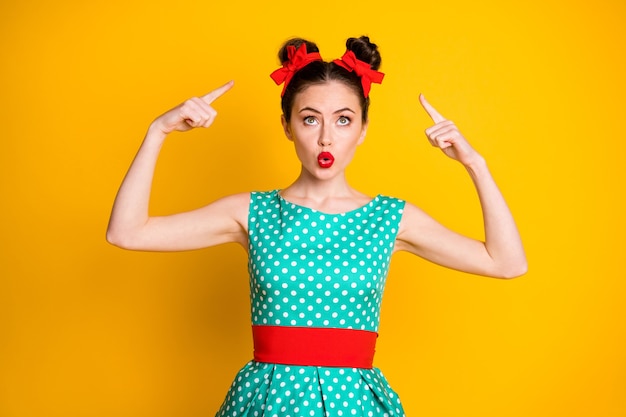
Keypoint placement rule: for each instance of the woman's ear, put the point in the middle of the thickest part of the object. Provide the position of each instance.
(363, 132)
(286, 128)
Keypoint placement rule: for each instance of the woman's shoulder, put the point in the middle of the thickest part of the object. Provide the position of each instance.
(247, 197)
(390, 198)
(262, 197)
(259, 195)
(391, 201)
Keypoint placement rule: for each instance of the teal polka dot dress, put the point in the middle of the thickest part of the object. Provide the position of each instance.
(314, 269)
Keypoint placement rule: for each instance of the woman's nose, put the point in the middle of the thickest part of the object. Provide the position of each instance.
(325, 138)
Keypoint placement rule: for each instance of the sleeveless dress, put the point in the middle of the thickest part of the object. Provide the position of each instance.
(313, 269)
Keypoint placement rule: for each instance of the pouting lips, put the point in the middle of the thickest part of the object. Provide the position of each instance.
(325, 159)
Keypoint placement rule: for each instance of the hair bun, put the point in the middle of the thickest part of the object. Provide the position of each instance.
(296, 42)
(365, 51)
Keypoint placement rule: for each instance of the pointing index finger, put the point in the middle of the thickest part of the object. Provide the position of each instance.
(218, 92)
(432, 112)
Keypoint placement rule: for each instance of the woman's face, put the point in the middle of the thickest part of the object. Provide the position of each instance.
(326, 127)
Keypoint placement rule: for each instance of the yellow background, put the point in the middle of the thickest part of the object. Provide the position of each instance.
(538, 87)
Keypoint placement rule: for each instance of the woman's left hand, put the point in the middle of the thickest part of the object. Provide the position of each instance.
(447, 137)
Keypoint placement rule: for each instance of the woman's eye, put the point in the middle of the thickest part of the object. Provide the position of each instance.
(310, 120)
(343, 121)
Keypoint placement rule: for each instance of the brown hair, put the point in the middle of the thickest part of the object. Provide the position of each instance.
(319, 72)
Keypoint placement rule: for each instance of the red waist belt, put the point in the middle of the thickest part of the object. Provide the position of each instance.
(308, 346)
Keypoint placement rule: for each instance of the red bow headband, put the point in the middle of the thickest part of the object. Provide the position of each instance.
(298, 59)
(368, 76)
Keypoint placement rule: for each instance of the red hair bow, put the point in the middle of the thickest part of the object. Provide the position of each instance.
(368, 76)
(297, 59)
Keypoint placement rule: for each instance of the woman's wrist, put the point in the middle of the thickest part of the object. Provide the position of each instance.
(476, 166)
(155, 133)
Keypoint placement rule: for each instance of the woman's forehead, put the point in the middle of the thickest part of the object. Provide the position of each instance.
(330, 94)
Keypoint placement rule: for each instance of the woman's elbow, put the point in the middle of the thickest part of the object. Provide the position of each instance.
(114, 239)
(119, 239)
(514, 271)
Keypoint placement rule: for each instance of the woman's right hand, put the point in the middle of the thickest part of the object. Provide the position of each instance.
(195, 112)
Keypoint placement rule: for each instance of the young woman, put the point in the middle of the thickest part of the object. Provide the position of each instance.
(318, 250)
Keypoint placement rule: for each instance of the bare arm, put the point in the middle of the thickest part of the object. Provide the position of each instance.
(501, 255)
(130, 225)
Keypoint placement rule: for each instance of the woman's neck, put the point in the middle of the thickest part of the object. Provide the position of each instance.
(329, 195)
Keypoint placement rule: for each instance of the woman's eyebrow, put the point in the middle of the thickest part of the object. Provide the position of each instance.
(344, 109)
(311, 109)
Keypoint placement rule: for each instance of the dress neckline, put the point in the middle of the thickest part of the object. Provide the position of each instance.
(364, 207)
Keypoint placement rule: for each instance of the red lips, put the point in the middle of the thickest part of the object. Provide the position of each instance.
(325, 159)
